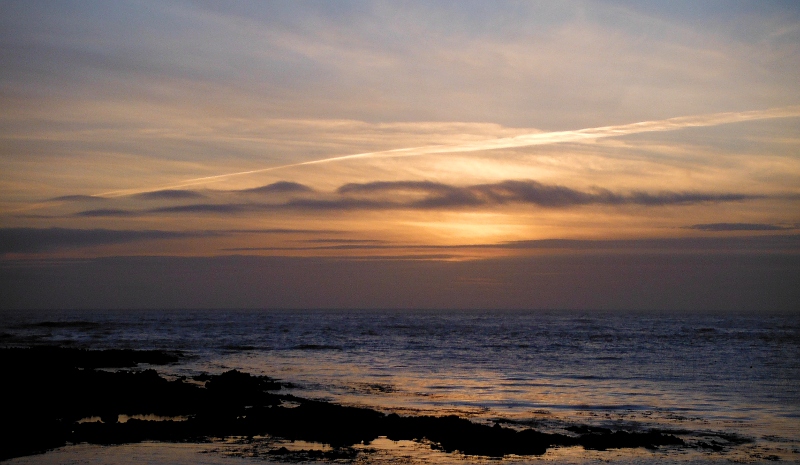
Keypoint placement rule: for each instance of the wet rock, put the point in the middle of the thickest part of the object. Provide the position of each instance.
(586, 429)
(50, 390)
(52, 357)
(236, 383)
(624, 439)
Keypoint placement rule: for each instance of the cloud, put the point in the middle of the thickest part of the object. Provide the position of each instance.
(740, 227)
(683, 198)
(344, 241)
(524, 140)
(377, 186)
(283, 231)
(21, 240)
(337, 204)
(784, 243)
(280, 187)
(429, 195)
(205, 208)
(170, 194)
(37, 240)
(105, 212)
(78, 198)
(438, 195)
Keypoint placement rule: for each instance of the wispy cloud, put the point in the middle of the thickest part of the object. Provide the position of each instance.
(25, 240)
(280, 187)
(525, 140)
(77, 198)
(429, 195)
(740, 227)
(344, 241)
(170, 194)
(532, 192)
(282, 231)
(205, 208)
(106, 213)
(37, 240)
(746, 244)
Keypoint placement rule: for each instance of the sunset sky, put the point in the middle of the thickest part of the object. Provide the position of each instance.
(460, 154)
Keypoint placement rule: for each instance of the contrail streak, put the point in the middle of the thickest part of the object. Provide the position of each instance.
(525, 140)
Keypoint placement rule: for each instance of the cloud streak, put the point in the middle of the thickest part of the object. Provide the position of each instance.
(428, 195)
(525, 140)
(26, 240)
(22, 240)
(105, 213)
(740, 227)
(280, 187)
(789, 243)
(170, 194)
(531, 192)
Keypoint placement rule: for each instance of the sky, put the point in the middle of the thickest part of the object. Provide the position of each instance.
(407, 154)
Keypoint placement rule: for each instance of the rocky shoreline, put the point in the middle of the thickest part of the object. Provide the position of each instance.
(58, 396)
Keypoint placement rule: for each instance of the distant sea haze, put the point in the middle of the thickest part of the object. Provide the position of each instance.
(719, 378)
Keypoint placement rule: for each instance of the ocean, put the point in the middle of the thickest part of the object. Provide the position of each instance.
(726, 383)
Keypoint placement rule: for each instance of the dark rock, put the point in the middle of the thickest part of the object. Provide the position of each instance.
(49, 389)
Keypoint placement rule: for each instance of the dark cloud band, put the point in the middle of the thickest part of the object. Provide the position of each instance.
(740, 227)
(26, 240)
(428, 195)
(38, 240)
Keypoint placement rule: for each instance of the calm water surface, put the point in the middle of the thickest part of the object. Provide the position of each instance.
(717, 375)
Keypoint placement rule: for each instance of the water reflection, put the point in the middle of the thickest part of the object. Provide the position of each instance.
(712, 373)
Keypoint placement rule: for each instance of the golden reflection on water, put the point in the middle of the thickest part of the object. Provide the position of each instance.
(545, 404)
(415, 373)
(132, 454)
(386, 451)
(233, 451)
(479, 395)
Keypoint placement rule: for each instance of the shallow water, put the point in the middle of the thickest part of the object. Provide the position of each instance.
(716, 375)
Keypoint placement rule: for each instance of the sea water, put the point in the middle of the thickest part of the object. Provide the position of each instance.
(725, 378)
